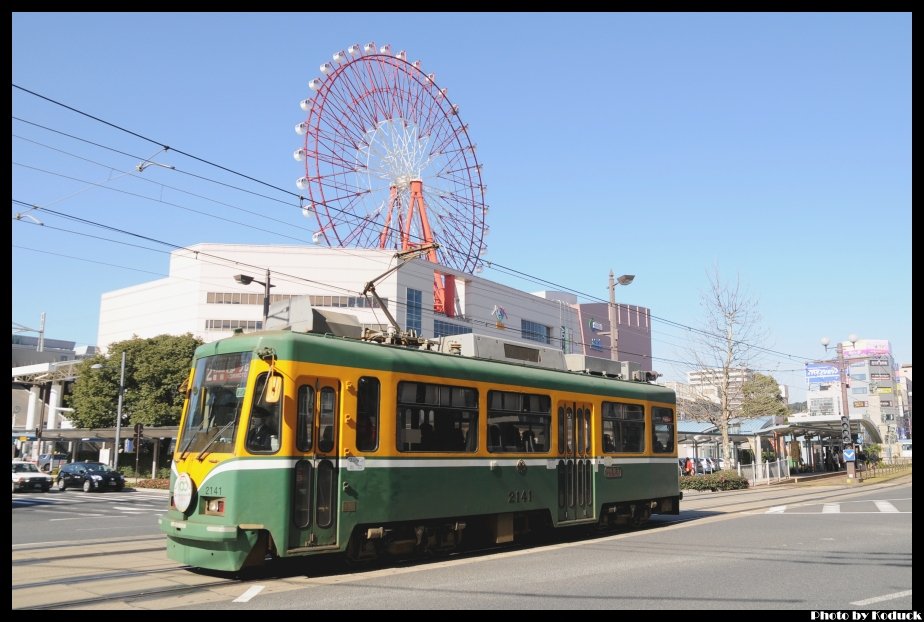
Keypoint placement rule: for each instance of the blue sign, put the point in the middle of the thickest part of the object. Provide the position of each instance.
(850, 455)
(821, 373)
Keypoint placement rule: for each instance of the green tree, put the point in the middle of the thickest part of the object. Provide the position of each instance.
(761, 397)
(154, 370)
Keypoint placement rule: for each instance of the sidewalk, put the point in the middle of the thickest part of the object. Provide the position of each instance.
(131, 483)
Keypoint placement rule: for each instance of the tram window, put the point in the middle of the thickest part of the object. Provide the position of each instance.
(518, 422)
(326, 420)
(263, 434)
(662, 429)
(561, 430)
(304, 432)
(367, 414)
(448, 421)
(624, 424)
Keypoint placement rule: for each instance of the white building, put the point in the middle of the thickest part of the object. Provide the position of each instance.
(200, 296)
(709, 382)
(872, 394)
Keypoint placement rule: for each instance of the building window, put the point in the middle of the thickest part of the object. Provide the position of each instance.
(446, 329)
(233, 324)
(414, 310)
(535, 331)
(241, 298)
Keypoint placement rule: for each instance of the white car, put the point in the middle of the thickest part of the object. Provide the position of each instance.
(26, 476)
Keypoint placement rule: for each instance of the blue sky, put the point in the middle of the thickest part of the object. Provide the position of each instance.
(776, 147)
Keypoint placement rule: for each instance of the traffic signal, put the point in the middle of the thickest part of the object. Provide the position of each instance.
(845, 431)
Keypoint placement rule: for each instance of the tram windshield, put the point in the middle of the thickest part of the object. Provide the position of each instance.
(215, 400)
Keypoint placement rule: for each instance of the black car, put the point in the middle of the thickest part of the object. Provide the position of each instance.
(90, 476)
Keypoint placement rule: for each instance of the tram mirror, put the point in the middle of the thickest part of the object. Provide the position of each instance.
(274, 389)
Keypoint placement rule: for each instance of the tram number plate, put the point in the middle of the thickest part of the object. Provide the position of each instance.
(612, 472)
(520, 496)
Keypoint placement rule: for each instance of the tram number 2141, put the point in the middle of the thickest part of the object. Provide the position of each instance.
(520, 496)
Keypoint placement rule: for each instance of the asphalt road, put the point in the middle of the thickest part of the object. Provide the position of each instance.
(778, 548)
(74, 515)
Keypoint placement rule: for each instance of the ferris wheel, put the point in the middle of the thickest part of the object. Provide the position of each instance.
(388, 162)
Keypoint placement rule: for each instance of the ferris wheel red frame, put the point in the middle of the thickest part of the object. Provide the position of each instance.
(388, 162)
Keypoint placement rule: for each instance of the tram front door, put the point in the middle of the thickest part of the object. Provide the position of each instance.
(316, 478)
(575, 465)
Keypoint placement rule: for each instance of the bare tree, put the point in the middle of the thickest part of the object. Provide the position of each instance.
(723, 353)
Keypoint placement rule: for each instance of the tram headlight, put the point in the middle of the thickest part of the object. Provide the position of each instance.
(215, 506)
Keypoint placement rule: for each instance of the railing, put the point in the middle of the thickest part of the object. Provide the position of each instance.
(764, 472)
(880, 469)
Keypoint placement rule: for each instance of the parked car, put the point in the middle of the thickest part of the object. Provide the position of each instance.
(89, 476)
(26, 476)
(50, 462)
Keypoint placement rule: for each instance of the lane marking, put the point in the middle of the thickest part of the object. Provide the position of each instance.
(879, 599)
(831, 508)
(797, 513)
(885, 506)
(777, 509)
(250, 593)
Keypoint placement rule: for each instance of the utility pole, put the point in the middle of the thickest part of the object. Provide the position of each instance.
(625, 279)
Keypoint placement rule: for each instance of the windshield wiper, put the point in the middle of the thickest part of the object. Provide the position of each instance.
(187, 441)
(214, 438)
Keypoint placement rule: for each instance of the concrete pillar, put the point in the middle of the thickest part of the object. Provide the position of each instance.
(54, 402)
(34, 410)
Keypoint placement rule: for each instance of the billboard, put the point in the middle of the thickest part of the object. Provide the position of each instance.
(821, 373)
(863, 348)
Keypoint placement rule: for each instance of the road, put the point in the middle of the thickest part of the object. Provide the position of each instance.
(778, 548)
(44, 517)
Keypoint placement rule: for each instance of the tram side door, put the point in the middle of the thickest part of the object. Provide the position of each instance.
(316, 480)
(575, 464)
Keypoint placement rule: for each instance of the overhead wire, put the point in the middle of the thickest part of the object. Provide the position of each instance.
(511, 271)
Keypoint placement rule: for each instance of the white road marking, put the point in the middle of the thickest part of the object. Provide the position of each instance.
(250, 593)
(885, 506)
(879, 599)
(777, 509)
(831, 508)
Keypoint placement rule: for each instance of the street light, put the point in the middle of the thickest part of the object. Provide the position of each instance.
(846, 438)
(625, 279)
(244, 279)
(118, 430)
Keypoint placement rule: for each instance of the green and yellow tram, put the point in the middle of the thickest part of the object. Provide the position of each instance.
(294, 444)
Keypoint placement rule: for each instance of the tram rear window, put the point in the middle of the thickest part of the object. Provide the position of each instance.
(662, 429)
(623, 427)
